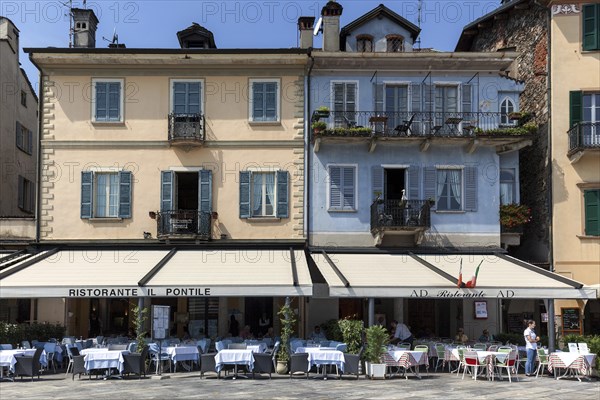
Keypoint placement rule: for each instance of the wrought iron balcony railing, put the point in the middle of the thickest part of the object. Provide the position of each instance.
(184, 223)
(186, 127)
(400, 214)
(425, 124)
(584, 135)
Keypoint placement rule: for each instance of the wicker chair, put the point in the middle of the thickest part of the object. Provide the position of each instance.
(299, 363)
(352, 362)
(264, 363)
(207, 364)
(78, 366)
(135, 363)
(29, 365)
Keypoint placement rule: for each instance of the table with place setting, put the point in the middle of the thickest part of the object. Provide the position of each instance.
(234, 357)
(322, 356)
(183, 353)
(406, 359)
(102, 358)
(575, 364)
(8, 359)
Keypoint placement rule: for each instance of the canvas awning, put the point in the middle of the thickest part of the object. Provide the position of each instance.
(436, 276)
(157, 273)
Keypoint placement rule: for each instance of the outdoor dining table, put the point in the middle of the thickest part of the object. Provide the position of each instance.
(8, 359)
(489, 358)
(182, 353)
(406, 359)
(234, 357)
(575, 364)
(104, 359)
(323, 356)
(257, 348)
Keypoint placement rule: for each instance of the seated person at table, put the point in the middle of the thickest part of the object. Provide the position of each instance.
(245, 333)
(317, 335)
(401, 333)
(270, 334)
(460, 336)
(485, 336)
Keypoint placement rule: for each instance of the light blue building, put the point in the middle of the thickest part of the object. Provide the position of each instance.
(410, 151)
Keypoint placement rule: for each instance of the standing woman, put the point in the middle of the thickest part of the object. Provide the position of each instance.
(531, 340)
(234, 326)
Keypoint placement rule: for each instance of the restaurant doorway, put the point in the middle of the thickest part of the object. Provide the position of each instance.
(254, 309)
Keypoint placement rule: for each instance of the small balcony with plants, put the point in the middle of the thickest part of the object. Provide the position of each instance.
(472, 128)
(400, 218)
(584, 138)
(513, 218)
(186, 129)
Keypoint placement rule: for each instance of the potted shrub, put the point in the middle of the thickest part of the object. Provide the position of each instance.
(318, 127)
(352, 330)
(288, 320)
(139, 319)
(377, 339)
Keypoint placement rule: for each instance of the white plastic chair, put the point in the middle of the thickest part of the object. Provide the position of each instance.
(50, 349)
(156, 357)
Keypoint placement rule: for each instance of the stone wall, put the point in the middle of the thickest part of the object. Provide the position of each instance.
(526, 31)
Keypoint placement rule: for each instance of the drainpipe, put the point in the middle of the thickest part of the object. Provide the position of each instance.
(307, 141)
(38, 185)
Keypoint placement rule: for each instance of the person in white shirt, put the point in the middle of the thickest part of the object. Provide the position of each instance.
(317, 335)
(531, 340)
(401, 333)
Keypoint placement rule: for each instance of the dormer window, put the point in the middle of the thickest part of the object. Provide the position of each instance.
(395, 43)
(364, 43)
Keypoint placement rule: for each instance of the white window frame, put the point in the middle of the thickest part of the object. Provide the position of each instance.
(514, 106)
(172, 82)
(121, 81)
(332, 97)
(264, 194)
(595, 117)
(408, 85)
(514, 184)
(456, 84)
(462, 187)
(95, 192)
(251, 82)
(328, 187)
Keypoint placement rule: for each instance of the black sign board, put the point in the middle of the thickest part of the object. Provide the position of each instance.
(571, 322)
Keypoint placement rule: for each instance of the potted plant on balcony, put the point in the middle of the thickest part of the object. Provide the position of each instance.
(377, 338)
(318, 127)
(288, 320)
(322, 112)
(514, 216)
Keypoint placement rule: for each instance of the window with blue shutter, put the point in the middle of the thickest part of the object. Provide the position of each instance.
(264, 194)
(470, 188)
(377, 182)
(592, 212)
(265, 102)
(167, 180)
(26, 194)
(186, 97)
(342, 188)
(591, 27)
(107, 101)
(414, 182)
(106, 194)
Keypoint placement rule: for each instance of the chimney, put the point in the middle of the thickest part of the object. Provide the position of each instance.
(306, 26)
(331, 26)
(84, 28)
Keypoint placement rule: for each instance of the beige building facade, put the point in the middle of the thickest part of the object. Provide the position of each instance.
(18, 140)
(575, 138)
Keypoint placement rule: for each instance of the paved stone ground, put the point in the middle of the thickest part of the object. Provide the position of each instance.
(189, 385)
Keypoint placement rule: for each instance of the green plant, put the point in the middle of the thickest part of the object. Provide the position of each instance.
(16, 333)
(140, 315)
(332, 330)
(529, 128)
(288, 320)
(377, 338)
(323, 109)
(319, 126)
(513, 215)
(358, 132)
(352, 331)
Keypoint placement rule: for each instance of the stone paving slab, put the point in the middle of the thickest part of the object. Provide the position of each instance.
(189, 385)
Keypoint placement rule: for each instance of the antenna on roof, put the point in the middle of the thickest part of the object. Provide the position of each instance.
(69, 5)
(419, 20)
(115, 38)
(318, 26)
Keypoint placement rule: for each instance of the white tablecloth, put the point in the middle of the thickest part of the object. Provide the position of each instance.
(419, 356)
(103, 359)
(7, 357)
(226, 356)
(568, 358)
(182, 353)
(257, 348)
(322, 356)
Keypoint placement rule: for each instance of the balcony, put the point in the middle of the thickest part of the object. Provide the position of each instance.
(184, 224)
(400, 217)
(472, 128)
(584, 137)
(186, 129)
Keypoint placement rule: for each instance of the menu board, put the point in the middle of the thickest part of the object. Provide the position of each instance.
(160, 321)
(570, 318)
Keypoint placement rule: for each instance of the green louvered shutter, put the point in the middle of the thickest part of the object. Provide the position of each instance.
(125, 194)
(245, 194)
(87, 184)
(575, 108)
(591, 27)
(592, 212)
